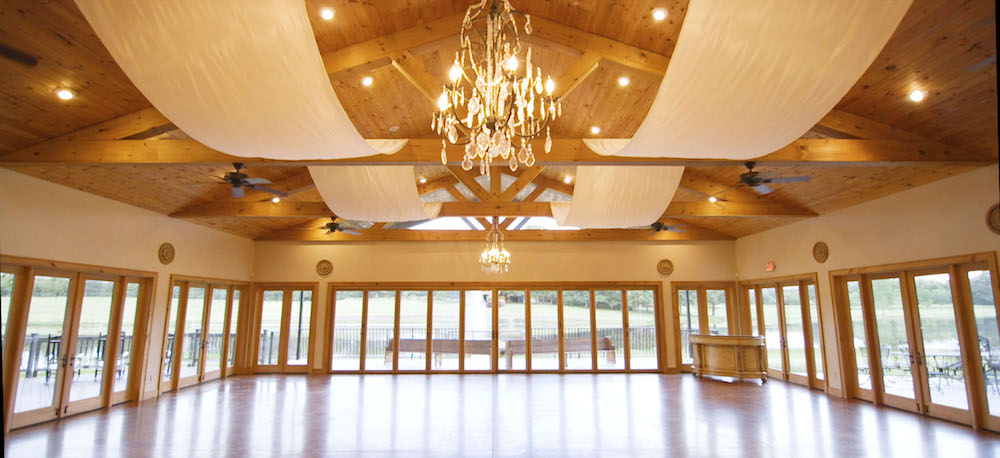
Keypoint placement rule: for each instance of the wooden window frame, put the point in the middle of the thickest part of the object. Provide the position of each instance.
(732, 313)
(287, 288)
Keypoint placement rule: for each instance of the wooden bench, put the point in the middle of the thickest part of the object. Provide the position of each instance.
(440, 347)
(552, 346)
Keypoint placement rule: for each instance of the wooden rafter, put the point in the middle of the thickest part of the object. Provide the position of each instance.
(519, 184)
(414, 72)
(470, 182)
(385, 46)
(281, 209)
(577, 73)
(438, 183)
(308, 232)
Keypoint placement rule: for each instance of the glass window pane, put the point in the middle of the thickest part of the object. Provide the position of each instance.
(513, 345)
(945, 373)
(270, 328)
(445, 320)
(610, 330)
(795, 340)
(817, 335)
(576, 333)
(642, 330)
(717, 320)
(216, 329)
(544, 330)
(381, 322)
(194, 313)
(413, 330)
(298, 328)
(752, 301)
(478, 330)
(860, 338)
(687, 304)
(897, 375)
(347, 310)
(772, 328)
(985, 311)
(6, 292)
(168, 347)
(92, 339)
(42, 344)
(234, 327)
(123, 369)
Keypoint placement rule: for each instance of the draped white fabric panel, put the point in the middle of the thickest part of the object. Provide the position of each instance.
(372, 193)
(618, 196)
(750, 77)
(242, 77)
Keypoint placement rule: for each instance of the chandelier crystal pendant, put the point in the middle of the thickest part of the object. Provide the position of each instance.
(495, 259)
(493, 104)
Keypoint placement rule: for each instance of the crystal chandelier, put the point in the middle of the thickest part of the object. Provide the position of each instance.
(495, 259)
(494, 105)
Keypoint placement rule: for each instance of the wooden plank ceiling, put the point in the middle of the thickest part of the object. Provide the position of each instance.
(875, 143)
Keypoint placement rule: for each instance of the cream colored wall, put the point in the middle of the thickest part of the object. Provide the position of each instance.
(458, 262)
(39, 219)
(939, 219)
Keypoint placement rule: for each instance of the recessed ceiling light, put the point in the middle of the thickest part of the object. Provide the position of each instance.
(65, 94)
(393, 129)
(624, 81)
(568, 179)
(276, 199)
(595, 130)
(326, 14)
(367, 81)
(917, 96)
(713, 199)
(659, 14)
(423, 180)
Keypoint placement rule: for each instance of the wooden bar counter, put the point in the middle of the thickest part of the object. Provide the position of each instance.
(728, 356)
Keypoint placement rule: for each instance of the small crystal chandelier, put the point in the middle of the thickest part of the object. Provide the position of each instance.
(493, 105)
(495, 259)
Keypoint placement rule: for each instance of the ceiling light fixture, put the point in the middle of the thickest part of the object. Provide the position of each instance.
(917, 95)
(423, 180)
(624, 81)
(568, 179)
(713, 199)
(659, 14)
(494, 99)
(65, 94)
(276, 199)
(367, 81)
(495, 259)
(595, 130)
(326, 14)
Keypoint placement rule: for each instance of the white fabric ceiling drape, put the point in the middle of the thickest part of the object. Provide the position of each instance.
(750, 77)
(618, 196)
(242, 77)
(372, 193)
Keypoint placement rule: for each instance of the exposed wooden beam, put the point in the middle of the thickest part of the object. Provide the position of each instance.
(283, 209)
(554, 184)
(860, 127)
(440, 182)
(495, 182)
(519, 184)
(495, 208)
(291, 186)
(710, 188)
(459, 197)
(413, 70)
(606, 48)
(467, 179)
(394, 43)
(427, 151)
(539, 189)
(316, 235)
(581, 69)
(708, 209)
(688, 226)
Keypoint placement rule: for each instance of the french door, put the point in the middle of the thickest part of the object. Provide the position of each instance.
(516, 328)
(787, 315)
(199, 343)
(924, 339)
(703, 308)
(73, 341)
(284, 314)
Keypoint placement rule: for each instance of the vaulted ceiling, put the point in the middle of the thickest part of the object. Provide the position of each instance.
(108, 141)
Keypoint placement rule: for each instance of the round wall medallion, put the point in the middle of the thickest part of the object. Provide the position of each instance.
(820, 252)
(665, 267)
(324, 268)
(993, 218)
(166, 253)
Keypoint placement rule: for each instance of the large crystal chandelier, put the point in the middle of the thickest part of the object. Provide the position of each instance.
(493, 104)
(495, 259)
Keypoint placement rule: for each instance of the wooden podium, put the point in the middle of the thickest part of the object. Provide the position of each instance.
(728, 356)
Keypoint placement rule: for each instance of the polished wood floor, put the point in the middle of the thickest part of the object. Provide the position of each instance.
(506, 415)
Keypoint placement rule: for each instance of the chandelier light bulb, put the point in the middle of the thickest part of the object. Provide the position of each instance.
(455, 73)
(549, 86)
(512, 63)
(917, 96)
(443, 101)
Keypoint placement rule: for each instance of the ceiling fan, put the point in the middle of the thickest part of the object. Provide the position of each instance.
(658, 226)
(758, 181)
(345, 226)
(241, 181)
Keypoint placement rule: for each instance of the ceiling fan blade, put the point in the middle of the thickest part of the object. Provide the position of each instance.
(766, 175)
(356, 224)
(789, 179)
(676, 229)
(238, 192)
(256, 181)
(258, 187)
(762, 189)
(350, 231)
